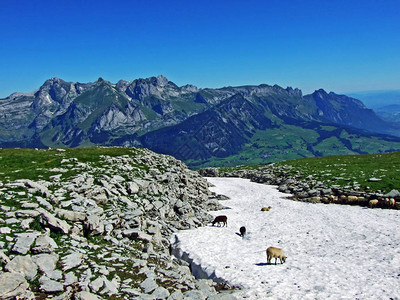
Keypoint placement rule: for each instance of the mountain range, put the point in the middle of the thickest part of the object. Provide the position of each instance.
(202, 126)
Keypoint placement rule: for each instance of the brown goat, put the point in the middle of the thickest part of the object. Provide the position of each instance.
(221, 219)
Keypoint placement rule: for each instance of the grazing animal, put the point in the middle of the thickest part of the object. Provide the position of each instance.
(221, 219)
(276, 253)
(266, 208)
(373, 203)
(392, 202)
(242, 231)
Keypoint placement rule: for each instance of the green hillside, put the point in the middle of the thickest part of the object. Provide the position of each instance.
(292, 141)
(368, 172)
(41, 164)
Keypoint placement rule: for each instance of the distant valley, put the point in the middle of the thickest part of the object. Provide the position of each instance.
(386, 104)
(202, 126)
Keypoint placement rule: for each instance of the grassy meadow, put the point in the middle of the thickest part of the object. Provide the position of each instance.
(41, 164)
(368, 172)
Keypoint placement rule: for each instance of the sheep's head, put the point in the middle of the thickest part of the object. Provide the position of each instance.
(284, 258)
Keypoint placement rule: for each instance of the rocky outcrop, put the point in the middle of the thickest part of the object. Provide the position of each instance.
(103, 231)
(308, 189)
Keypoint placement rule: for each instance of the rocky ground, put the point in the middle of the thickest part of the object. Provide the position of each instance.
(309, 189)
(103, 232)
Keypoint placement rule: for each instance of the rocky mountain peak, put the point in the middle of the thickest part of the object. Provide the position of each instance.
(52, 81)
(100, 81)
(294, 92)
(162, 80)
(320, 93)
(53, 90)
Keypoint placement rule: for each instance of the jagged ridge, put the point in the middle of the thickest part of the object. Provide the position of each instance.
(199, 123)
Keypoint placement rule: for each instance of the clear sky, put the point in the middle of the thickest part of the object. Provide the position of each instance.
(341, 46)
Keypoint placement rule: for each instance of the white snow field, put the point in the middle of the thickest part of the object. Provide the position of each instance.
(333, 251)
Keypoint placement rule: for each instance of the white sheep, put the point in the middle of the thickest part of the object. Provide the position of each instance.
(276, 253)
(373, 203)
(392, 202)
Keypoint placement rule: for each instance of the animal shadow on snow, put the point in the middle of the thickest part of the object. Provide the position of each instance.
(262, 264)
(245, 237)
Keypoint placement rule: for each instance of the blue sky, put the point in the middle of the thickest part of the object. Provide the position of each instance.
(341, 46)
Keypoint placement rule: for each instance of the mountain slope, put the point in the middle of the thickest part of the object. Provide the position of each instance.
(219, 131)
(239, 132)
(343, 110)
(233, 124)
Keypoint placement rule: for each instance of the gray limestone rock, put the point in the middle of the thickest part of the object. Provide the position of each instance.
(23, 265)
(177, 295)
(67, 295)
(4, 258)
(44, 203)
(149, 285)
(96, 284)
(71, 261)
(205, 285)
(393, 194)
(222, 297)
(11, 221)
(101, 199)
(45, 262)
(25, 224)
(26, 213)
(110, 287)
(94, 224)
(137, 234)
(118, 178)
(55, 274)
(44, 244)
(160, 293)
(70, 278)
(132, 188)
(69, 215)
(24, 242)
(50, 286)
(54, 222)
(5, 230)
(194, 295)
(12, 285)
(84, 295)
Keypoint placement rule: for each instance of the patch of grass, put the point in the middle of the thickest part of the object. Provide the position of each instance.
(356, 168)
(36, 225)
(343, 170)
(38, 164)
(56, 236)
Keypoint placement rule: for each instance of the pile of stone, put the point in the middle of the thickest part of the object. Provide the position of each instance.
(103, 232)
(308, 189)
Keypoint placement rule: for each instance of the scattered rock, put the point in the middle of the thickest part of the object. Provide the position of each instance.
(86, 296)
(53, 222)
(111, 218)
(23, 265)
(71, 261)
(24, 242)
(149, 285)
(50, 286)
(12, 285)
(45, 262)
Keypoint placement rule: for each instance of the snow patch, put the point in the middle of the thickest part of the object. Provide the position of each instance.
(334, 251)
